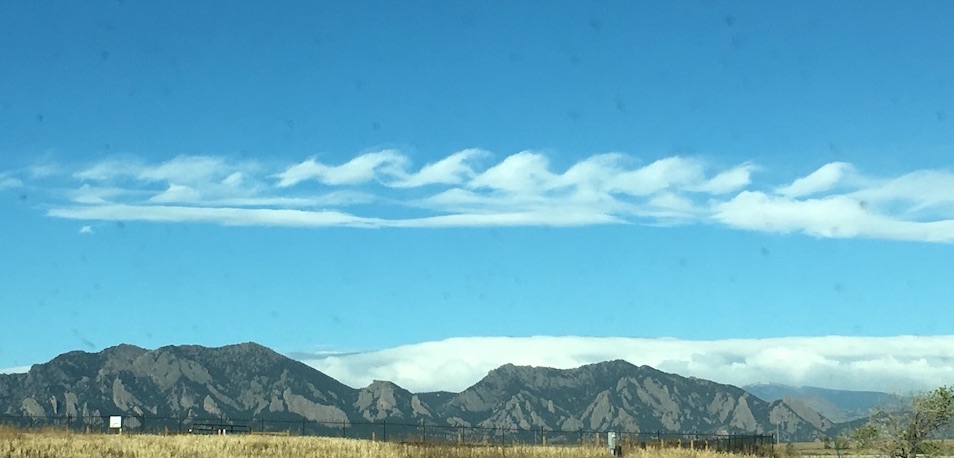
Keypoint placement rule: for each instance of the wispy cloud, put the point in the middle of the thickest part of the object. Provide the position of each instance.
(891, 364)
(473, 188)
(821, 180)
(362, 169)
(7, 182)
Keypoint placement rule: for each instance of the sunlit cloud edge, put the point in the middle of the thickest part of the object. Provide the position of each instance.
(897, 364)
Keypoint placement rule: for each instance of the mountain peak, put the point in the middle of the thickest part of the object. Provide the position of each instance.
(249, 380)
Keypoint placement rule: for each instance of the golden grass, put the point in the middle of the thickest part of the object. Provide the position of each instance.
(63, 444)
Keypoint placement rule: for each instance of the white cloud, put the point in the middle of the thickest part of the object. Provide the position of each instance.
(361, 169)
(920, 191)
(9, 182)
(86, 230)
(658, 176)
(225, 216)
(891, 364)
(232, 216)
(837, 216)
(823, 179)
(176, 193)
(44, 170)
(233, 180)
(521, 173)
(465, 188)
(333, 199)
(451, 170)
(728, 181)
(87, 194)
(108, 169)
(191, 170)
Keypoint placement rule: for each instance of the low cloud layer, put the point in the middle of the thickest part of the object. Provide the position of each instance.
(15, 370)
(475, 188)
(890, 364)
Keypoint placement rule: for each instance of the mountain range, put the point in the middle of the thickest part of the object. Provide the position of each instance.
(251, 381)
(838, 405)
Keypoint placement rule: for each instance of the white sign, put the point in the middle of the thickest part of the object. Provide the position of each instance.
(115, 421)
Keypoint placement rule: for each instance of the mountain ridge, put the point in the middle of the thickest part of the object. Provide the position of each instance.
(249, 380)
(840, 406)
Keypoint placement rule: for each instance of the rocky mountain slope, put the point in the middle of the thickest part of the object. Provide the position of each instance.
(250, 381)
(837, 405)
(619, 395)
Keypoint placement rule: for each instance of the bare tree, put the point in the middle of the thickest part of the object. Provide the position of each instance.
(907, 433)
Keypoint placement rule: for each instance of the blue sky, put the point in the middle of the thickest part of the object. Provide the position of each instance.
(341, 176)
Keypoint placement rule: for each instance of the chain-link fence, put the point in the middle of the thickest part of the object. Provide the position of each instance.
(395, 431)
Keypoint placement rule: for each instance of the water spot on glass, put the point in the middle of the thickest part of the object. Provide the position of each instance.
(620, 104)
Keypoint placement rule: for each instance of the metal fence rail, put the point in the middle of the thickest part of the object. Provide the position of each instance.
(422, 432)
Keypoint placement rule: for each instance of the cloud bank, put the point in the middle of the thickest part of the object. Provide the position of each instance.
(890, 364)
(475, 188)
(15, 370)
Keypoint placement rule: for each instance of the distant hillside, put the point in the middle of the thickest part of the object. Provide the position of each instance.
(250, 381)
(838, 405)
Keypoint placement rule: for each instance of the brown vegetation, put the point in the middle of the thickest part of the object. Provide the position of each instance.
(14, 443)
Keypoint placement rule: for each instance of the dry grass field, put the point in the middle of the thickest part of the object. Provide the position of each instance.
(59, 444)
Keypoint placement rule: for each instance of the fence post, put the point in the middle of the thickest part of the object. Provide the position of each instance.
(424, 434)
(384, 424)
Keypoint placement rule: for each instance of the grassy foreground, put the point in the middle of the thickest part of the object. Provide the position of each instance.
(60, 444)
